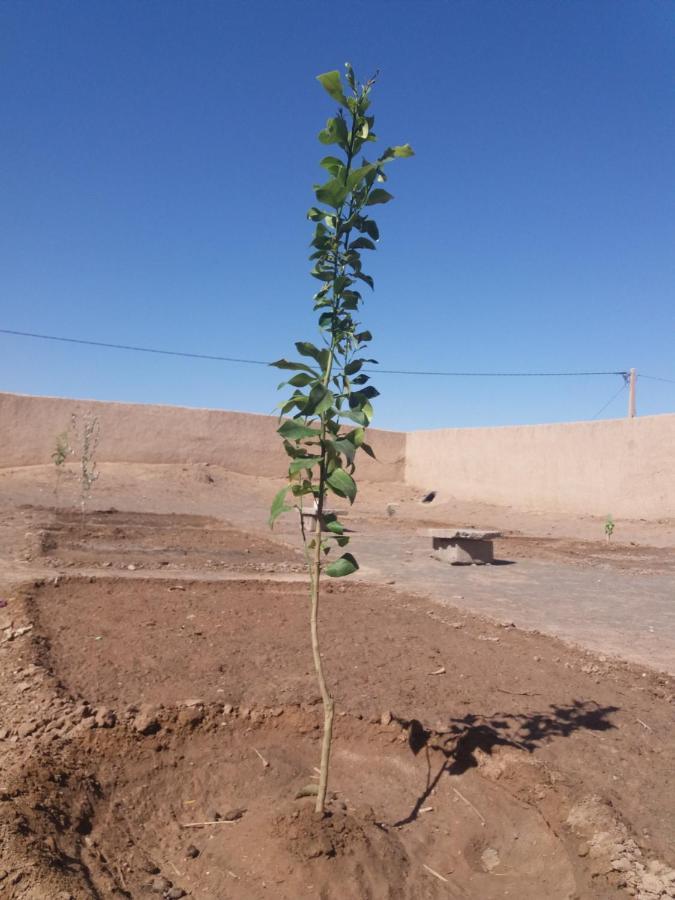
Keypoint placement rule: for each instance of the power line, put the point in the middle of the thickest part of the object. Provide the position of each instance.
(611, 399)
(69, 340)
(656, 378)
(496, 374)
(262, 362)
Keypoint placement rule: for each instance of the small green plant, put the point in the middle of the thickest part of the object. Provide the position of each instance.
(62, 451)
(609, 528)
(330, 407)
(87, 431)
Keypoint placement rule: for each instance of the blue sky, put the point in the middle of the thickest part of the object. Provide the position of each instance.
(157, 159)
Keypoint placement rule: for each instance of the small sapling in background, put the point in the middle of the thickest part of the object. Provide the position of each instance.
(87, 430)
(609, 528)
(330, 408)
(60, 455)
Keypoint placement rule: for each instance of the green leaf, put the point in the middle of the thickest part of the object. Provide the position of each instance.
(368, 392)
(320, 399)
(305, 462)
(293, 366)
(378, 195)
(367, 278)
(362, 337)
(302, 379)
(299, 490)
(345, 565)
(278, 506)
(345, 447)
(355, 415)
(332, 83)
(333, 525)
(357, 436)
(295, 431)
(297, 400)
(333, 193)
(353, 367)
(342, 484)
(362, 244)
(332, 164)
(335, 132)
(358, 174)
(369, 450)
(400, 152)
(368, 227)
(304, 348)
(323, 275)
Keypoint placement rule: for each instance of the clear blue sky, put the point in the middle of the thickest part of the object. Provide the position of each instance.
(156, 164)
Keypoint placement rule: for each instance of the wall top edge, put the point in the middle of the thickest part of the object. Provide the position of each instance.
(160, 406)
(581, 423)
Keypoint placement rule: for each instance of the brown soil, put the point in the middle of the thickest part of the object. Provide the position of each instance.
(166, 653)
(109, 538)
(492, 773)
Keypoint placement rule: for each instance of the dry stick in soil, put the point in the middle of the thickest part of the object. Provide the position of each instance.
(88, 431)
(330, 406)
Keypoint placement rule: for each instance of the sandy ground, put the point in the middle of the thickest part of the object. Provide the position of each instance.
(157, 674)
(561, 576)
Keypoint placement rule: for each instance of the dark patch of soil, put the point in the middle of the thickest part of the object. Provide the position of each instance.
(113, 539)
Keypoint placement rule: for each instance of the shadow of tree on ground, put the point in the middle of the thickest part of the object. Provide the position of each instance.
(457, 744)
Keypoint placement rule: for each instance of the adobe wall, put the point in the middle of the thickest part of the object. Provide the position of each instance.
(148, 433)
(624, 467)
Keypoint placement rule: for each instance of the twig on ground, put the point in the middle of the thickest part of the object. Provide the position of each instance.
(262, 758)
(232, 875)
(470, 805)
(202, 824)
(519, 693)
(517, 744)
(180, 874)
(121, 877)
(644, 724)
(434, 873)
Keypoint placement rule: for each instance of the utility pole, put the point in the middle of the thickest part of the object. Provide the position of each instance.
(632, 378)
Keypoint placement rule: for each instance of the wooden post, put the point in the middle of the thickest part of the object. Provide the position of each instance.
(631, 393)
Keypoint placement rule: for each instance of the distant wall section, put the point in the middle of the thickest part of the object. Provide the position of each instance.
(148, 433)
(625, 467)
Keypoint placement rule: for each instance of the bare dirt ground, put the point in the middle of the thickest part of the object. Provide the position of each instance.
(157, 674)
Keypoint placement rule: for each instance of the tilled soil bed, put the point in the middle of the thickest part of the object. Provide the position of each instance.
(471, 760)
(109, 538)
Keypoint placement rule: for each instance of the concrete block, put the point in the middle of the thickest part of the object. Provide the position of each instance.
(462, 552)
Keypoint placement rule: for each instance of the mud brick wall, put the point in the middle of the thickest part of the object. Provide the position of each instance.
(149, 433)
(623, 467)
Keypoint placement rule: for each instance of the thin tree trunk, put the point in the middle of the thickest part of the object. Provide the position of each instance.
(328, 703)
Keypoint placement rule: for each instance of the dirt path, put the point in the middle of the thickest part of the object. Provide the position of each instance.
(624, 613)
